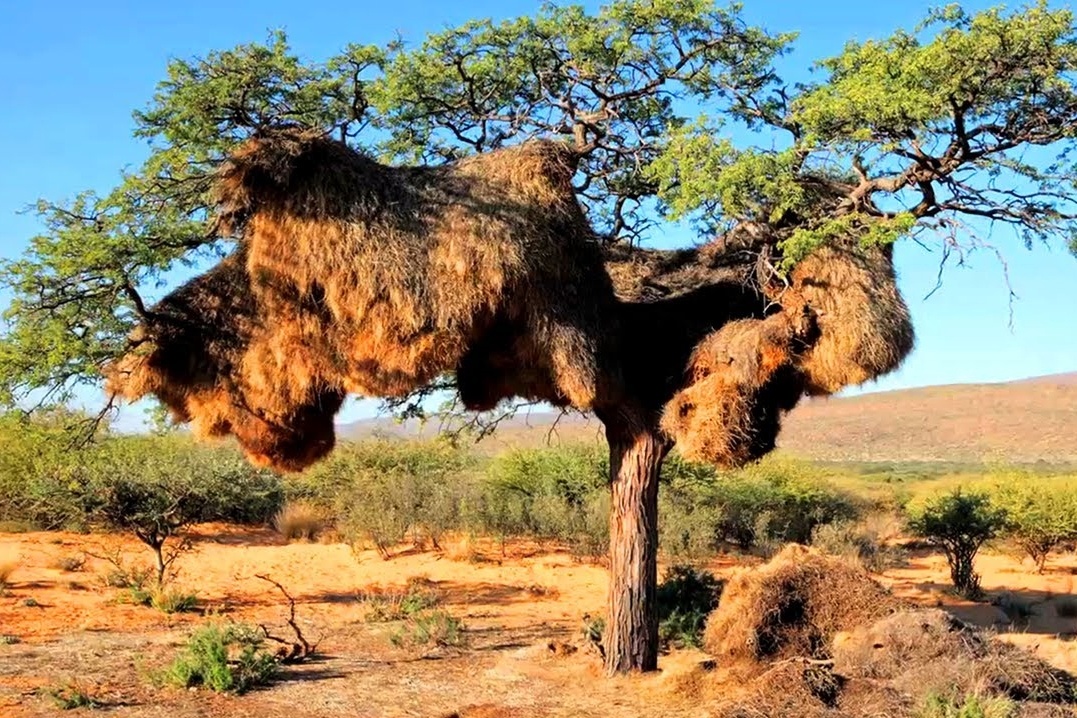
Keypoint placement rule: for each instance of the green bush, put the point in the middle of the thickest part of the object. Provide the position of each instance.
(685, 598)
(433, 627)
(1041, 514)
(958, 523)
(968, 706)
(861, 541)
(766, 504)
(230, 658)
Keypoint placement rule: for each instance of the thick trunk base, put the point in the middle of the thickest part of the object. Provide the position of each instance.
(631, 635)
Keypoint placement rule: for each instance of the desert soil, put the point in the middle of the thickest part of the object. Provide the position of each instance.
(515, 601)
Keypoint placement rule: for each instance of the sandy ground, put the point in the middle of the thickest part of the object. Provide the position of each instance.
(514, 603)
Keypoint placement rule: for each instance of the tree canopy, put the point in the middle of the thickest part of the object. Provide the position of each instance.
(965, 118)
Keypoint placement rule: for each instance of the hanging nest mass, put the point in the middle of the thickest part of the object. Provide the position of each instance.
(352, 277)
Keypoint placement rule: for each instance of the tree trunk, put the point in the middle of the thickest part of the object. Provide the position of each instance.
(631, 633)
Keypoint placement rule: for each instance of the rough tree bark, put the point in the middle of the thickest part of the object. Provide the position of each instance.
(631, 636)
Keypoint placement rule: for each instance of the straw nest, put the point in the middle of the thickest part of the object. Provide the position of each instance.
(352, 277)
(792, 606)
(807, 635)
(840, 321)
(374, 280)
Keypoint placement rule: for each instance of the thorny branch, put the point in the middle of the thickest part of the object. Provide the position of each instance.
(293, 651)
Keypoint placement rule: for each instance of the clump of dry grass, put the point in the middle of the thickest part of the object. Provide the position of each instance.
(7, 569)
(928, 650)
(299, 520)
(71, 563)
(791, 607)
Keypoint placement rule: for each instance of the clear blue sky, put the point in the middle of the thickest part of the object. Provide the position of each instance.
(72, 72)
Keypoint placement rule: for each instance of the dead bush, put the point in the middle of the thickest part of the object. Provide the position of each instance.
(299, 520)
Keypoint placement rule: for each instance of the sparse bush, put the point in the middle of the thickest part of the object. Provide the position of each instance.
(959, 523)
(299, 520)
(383, 490)
(231, 658)
(757, 508)
(386, 606)
(1041, 515)
(433, 627)
(71, 564)
(967, 706)
(859, 541)
(167, 600)
(72, 695)
(7, 639)
(685, 598)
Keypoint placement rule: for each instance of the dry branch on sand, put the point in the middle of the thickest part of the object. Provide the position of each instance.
(808, 635)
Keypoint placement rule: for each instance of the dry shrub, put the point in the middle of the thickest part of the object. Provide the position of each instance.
(792, 606)
(741, 379)
(299, 520)
(7, 568)
(358, 277)
(924, 651)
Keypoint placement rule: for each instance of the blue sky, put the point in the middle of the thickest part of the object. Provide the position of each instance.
(72, 72)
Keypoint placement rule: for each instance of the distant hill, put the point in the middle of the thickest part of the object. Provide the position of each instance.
(1022, 421)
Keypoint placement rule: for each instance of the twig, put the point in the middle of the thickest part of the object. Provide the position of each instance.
(300, 649)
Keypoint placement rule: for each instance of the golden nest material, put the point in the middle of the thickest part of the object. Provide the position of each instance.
(841, 321)
(354, 277)
(792, 606)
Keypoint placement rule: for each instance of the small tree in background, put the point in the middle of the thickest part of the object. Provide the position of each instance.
(959, 523)
(1040, 516)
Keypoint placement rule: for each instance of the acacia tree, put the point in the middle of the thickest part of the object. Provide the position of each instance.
(928, 134)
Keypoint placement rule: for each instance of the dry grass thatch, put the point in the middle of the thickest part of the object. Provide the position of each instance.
(864, 326)
(930, 651)
(841, 321)
(741, 378)
(806, 635)
(791, 607)
(375, 280)
(191, 353)
(355, 277)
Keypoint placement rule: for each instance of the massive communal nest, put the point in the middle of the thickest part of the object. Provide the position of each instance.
(809, 635)
(352, 277)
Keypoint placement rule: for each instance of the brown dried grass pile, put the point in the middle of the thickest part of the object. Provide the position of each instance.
(791, 607)
(925, 651)
(355, 277)
(810, 636)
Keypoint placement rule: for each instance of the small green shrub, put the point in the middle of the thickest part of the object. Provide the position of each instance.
(72, 695)
(433, 627)
(968, 706)
(685, 598)
(384, 607)
(168, 600)
(231, 658)
(958, 523)
(31, 602)
(7, 639)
